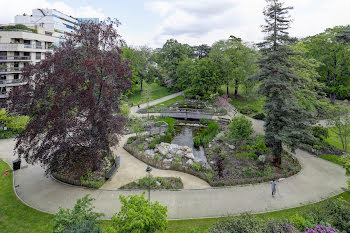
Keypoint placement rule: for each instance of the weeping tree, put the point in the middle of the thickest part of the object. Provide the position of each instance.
(73, 98)
(286, 122)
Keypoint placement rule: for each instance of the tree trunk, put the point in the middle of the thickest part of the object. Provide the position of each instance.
(227, 90)
(277, 153)
(141, 84)
(236, 87)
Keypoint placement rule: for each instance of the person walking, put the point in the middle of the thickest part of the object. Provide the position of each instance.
(273, 187)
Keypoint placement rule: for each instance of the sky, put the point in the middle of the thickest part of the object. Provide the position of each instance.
(152, 22)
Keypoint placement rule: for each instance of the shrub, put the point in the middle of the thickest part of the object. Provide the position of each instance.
(15, 124)
(320, 132)
(300, 222)
(240, 128)
(320, 229)
(137, 214)
(80, 219)
(260, 116)
(196, 166)
(131, 139)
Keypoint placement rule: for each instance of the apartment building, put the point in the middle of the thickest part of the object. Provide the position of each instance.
(53, 20)
(18, 48)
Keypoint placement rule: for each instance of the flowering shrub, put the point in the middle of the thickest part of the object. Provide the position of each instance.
(320, 229)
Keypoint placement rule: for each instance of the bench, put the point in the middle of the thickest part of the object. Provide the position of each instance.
(113, 169)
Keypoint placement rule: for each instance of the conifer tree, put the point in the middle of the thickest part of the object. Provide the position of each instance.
(286, 122)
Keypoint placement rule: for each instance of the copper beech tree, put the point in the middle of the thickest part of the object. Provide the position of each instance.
(72, 97)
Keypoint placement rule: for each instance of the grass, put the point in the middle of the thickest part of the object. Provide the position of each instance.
(251, 107)
(14, 215)
(155, 92)
(334, 139)
(168, 102)
(332, 158)
(17, 217)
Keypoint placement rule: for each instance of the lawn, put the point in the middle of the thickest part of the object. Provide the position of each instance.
(334, 139)
(14, 215)
(332, 158)
(17, 217)
(251, 107)
(168, 102)
(154, 90)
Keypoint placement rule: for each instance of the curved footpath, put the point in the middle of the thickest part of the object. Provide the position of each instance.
(318, 180)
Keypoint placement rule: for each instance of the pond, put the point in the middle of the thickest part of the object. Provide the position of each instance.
(184, 137)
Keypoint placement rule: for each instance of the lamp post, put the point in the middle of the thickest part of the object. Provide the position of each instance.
(148, 170)
(3, 129)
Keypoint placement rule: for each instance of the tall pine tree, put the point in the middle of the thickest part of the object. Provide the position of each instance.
(286, 123)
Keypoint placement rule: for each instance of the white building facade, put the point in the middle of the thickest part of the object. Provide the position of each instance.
(52, 20)
(19, 48)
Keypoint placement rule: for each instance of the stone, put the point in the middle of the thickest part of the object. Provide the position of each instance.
(230, 146)
(149, 153)
(149, 139)
(180, 152)
(157, 183)
(162, 150)
(173, 148)
(156, 150)
(167, 162)
(189, 156)
(189, 162)
(169, 155)
(185, 148)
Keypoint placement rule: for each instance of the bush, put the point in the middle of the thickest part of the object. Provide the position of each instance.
(81, 219)
(300, 222)
(240, 128)
(260, 116)
(131, 139)
(196, 166)
(137, 214)
(320, 132)
(15, 124)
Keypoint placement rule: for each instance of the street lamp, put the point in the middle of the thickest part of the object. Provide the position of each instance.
(148, 170)
(3, 129)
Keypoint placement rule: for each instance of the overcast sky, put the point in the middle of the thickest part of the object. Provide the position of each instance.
(152, 22)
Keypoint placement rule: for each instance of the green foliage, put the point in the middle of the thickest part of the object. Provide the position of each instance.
(341, 120)
(131, 139)
(155, 91)
(90, 181)
(185, 73)
(20, 26)
(15, 124)
(137, 214)
(207, 135)
(240, 128)
(197, 166)
(260, 116)
(320, 132)
(124, 109)
(300, 222)
(156, 183)
(81, 219)
(345, 160)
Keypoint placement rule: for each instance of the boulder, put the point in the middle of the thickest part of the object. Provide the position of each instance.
(189, 156)
(162, 150)
(180, 152)
(189, 162)
(185, 148)
(230, 146)
(167, 162)
(157, 183)
(173, 148)
(149, 139)
(149, 153)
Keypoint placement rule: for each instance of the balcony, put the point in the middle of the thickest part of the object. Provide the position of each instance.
(12, 82)
(15, 58)
(23, 47)
(3, 95)
(11, 70)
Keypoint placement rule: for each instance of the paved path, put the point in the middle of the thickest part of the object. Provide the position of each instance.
(132, 169)
(318, 180)
(133, 110)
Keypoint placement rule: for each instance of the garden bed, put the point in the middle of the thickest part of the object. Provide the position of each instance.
(156, 183)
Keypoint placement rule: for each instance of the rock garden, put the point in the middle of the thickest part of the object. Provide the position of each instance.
(222, 154)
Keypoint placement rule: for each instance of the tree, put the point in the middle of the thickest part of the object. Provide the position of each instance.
(137, 214)
(73, 99)
(170, 56)
(206, 81)
(334, 56)
(201, 51)
(141, 64)
(285, 122)
(185, 73)
(81, 219)
(235, 60)
(340, 119)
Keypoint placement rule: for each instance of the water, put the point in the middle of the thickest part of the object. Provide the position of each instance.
(184, 137)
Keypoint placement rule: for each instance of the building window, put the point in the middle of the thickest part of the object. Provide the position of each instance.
(38, 56)
(3, 77)
(38, 44)
(16, 76)
(3, 90)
